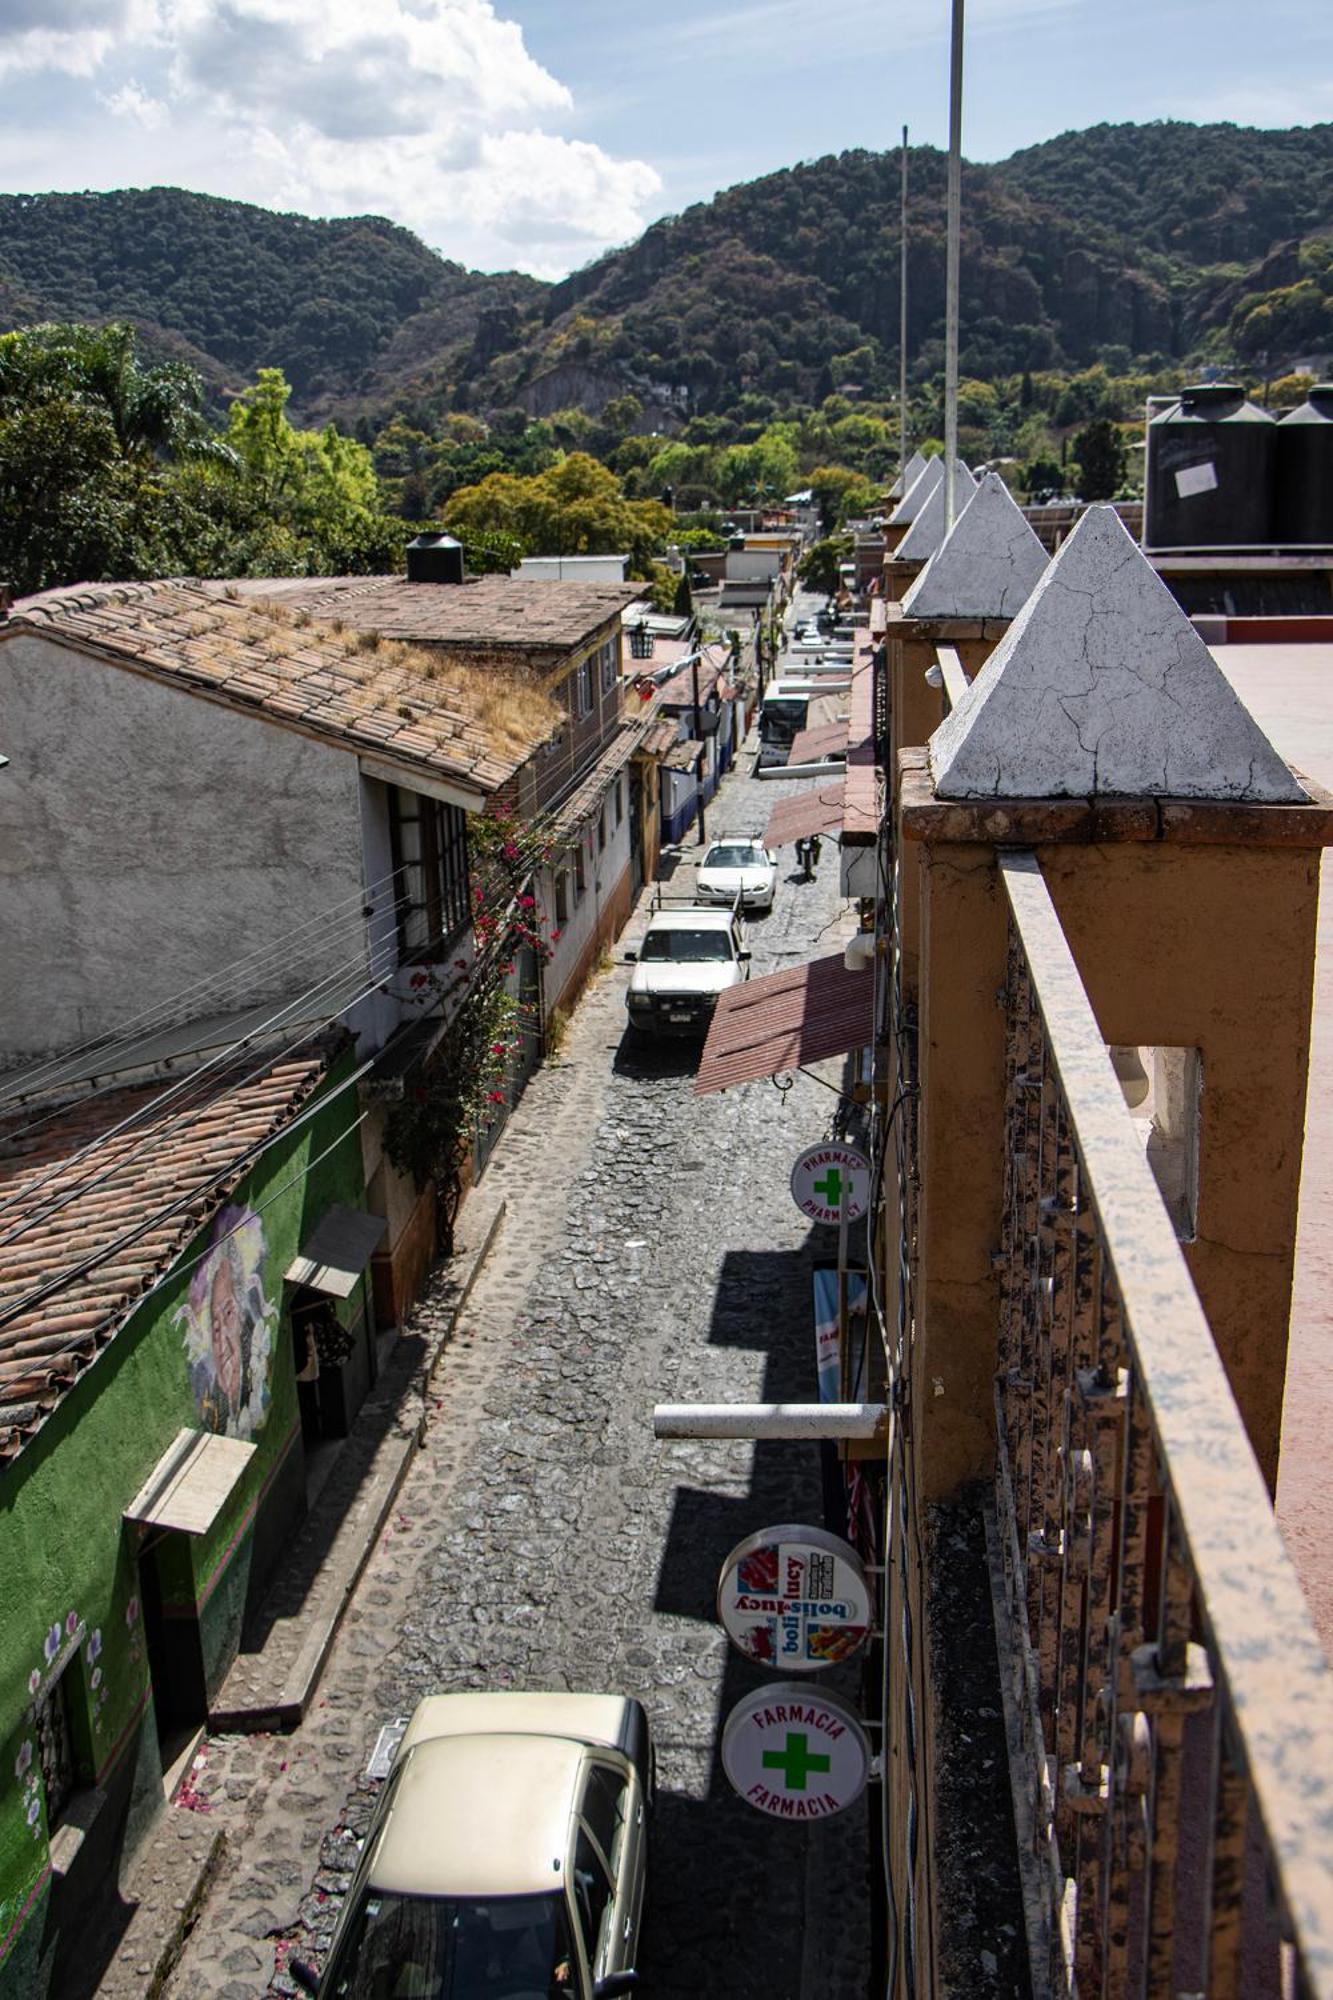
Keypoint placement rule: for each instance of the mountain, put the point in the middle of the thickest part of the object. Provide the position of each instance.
(1124, 243)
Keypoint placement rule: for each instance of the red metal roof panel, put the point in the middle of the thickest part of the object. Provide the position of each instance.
(816, 811)
(789, 1019)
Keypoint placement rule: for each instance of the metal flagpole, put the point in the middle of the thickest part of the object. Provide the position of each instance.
(951, 282)
(902, 328)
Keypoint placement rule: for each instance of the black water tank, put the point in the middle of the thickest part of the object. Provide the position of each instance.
(1304, 483)
(435, 559)
(1210, 472)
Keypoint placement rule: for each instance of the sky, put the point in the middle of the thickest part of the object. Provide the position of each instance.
(534, 134)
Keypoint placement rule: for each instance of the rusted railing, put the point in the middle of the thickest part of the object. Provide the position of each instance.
(1170, 1694)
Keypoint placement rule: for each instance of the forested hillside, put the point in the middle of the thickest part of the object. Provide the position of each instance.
(1136, 246)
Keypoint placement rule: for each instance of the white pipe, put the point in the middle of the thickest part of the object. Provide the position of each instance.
(769, 1420)
(954, 226)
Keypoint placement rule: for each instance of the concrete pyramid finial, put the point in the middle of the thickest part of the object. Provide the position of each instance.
(1102, 685)
(913, 470)
(987, 568)
(927, 531)
(917, 493)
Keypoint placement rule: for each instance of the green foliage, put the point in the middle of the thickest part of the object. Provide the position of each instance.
(1100, 451)
(682, 602)
(818, 569)
(577, 507)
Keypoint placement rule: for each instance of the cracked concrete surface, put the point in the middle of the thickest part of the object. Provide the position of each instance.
(1102, 686)
(987, 567)
(926, 533)
(917, 494)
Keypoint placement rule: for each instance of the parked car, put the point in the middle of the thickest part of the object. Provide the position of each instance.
(736, 866)
(688, 956)
(506, 1856)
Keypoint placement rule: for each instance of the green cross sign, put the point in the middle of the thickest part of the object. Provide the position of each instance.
(831, 1186)
(796, 1762)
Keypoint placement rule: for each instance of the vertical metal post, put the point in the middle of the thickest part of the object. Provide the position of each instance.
(902, 326)
(703, 759)
(951, 264)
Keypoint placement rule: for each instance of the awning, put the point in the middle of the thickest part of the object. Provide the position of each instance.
(812, 746)
(803, 1015)
(816, 811)
(191, 1482)
(337, 1251)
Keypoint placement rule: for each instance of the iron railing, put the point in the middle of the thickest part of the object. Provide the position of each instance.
(1171, 1704)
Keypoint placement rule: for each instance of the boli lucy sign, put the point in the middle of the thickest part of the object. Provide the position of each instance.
(795, 1755)
(830, 1182)
(795, 1598)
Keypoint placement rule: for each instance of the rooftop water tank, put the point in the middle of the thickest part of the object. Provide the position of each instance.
(435, 559)
(1210, 472)
(1304, 479)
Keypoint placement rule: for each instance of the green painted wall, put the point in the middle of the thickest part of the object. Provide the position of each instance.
(68, 1560)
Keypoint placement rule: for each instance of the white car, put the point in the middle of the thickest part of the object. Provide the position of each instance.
(688, 957)
(736, 866)
(506, 1858)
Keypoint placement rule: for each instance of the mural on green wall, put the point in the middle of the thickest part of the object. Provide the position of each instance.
(229, 1322)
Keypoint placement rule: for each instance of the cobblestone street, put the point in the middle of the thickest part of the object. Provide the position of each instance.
(650, 1251)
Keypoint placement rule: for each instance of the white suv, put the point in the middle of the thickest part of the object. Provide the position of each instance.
(688, 956)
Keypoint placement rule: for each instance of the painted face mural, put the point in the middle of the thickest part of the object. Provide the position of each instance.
(228, 1324)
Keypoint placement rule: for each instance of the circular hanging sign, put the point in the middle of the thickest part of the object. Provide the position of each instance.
(795, 1598)
(831, 1181)
(793, 1755)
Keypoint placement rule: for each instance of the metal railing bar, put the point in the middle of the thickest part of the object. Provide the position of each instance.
(1267, 1651)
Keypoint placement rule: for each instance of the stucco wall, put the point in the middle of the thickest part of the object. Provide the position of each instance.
(605, 871)
(149, 839)
(69, 1560)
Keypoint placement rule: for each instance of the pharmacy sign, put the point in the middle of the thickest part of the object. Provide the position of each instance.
(831, 1183)
(793, 1755)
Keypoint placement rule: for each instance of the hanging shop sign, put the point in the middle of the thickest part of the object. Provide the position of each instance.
(831, 1183)
(794, 1755)
(795, 1598)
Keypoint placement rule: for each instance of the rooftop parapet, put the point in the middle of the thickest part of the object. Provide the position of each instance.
(987, 567)
(1102, 686)
(917, 494)
(911, 472)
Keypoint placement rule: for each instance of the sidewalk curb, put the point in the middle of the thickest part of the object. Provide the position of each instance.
(286, 1706)
(140, 1972)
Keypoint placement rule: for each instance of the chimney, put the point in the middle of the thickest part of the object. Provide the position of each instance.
(435, 558)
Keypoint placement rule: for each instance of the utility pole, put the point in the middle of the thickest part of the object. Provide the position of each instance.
(902, 327)
(703, 757)
(951, 264)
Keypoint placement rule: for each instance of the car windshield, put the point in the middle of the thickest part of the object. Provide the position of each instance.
(682, 946)
(455, 1948)
(740, 854)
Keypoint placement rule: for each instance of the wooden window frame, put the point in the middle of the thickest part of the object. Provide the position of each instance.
(437, 908)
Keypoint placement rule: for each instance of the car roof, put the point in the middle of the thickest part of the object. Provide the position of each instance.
(479, 1816)
(690, 920)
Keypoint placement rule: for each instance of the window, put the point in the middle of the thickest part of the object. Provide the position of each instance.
(601, 828)
(55, 1747)
(583, 688)
(580, 877)
(604, 1804)
(609, 657)
(430, 864)
(620, 800)
(592, 1898)
(562, 896)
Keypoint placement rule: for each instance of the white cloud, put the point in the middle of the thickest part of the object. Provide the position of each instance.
(431, 111)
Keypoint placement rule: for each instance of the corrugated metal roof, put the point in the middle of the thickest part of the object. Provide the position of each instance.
(816, 811)
(803, 1015)
(810, 746)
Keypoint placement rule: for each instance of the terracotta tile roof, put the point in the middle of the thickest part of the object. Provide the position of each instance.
(482, 612)
(684, 755)
(816, 811)
(659, 737)
(390, 703)
(47, 1346)
(678, 692)
(803, 1015)
(812, 746)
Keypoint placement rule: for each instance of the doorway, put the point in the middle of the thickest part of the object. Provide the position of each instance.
(171, 1634)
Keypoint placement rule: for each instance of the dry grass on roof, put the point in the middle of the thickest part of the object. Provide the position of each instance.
(513, 712)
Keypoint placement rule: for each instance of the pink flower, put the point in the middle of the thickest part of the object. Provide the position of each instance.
(132, 1612)
(495, 1097)
(509, 851)
(34, 1680)
(419, 979)
(527, 902)
(556, 935)
(72, 1623)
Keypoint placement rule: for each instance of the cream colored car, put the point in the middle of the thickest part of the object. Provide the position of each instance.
(506, 1857)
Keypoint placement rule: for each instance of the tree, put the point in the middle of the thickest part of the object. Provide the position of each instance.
(683, 601)
(576, 507)
(819, 567)
(1100, 451)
